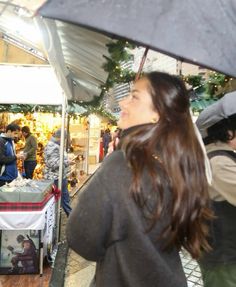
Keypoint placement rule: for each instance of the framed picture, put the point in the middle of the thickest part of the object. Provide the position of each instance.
(19, 251)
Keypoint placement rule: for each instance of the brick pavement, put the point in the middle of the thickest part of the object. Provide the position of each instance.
(192, 270)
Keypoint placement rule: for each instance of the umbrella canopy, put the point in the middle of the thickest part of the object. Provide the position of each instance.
(201, 32)
(76, 54)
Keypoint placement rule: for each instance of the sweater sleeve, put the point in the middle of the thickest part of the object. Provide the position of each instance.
(90, 221)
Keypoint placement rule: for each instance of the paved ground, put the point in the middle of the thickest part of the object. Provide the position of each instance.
(191, 270)
(80, 272)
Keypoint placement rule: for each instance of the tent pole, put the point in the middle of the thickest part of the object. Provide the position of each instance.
(179, 67)
(87, 155)
(62, 148)
(141, 64)
(68, 139)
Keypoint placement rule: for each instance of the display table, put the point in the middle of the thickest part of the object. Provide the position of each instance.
(25, 220)
(19, 230)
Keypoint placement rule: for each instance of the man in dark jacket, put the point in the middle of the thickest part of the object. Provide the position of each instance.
(8, 157)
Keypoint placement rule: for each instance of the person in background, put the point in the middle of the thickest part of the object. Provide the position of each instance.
(106, 140)
(115, 141)
(101, 150)
(30, 151)
(8, 156)
(217, 124)
(52, 162)
(149, 198)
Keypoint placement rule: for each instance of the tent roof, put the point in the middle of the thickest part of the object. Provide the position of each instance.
(29, 85)
(75, 53)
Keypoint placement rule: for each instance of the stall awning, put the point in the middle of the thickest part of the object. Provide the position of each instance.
(29, 85)
(76, 54)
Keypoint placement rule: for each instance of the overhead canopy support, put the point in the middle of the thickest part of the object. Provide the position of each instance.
(82, 76)
(77, 54)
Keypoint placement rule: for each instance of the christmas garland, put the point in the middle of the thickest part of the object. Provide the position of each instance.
(212, 87)
(118, 55)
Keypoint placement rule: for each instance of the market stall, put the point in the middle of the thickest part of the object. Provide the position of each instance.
(28, 221)
(42, 125)
(27, 226)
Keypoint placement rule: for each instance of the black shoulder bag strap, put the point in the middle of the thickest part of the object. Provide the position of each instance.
(227, 153)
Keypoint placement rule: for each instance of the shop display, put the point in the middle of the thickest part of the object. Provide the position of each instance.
(28, 207)
(94, 139)
(42, 125)
(83, 145)
(25, 194)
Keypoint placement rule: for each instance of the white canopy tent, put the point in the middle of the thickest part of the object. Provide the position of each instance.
(37, 86)
(29, 85)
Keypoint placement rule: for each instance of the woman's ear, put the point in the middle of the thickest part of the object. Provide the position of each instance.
(155, 118)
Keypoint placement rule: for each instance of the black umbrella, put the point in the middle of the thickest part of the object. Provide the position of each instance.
(198, 31)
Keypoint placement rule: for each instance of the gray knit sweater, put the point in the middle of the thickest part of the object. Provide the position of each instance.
(52, 160)
(107, 227)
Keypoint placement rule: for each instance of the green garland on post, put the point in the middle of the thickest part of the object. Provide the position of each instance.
(211, 87)
(207, 90)
(119, 54)
(24, 109)
(74, 110)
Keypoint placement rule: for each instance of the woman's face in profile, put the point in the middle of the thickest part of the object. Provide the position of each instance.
(137, 108)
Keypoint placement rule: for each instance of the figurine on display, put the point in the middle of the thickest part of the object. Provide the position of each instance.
(52, 162)
(30, 151)
(8, 156)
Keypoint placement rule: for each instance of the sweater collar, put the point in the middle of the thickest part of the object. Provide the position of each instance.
(133, 129)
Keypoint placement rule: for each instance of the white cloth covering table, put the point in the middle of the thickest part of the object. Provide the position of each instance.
(32, 220)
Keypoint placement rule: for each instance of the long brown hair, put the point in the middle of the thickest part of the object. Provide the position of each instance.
(171, 143)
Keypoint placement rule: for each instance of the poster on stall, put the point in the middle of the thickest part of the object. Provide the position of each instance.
(19, 251)
(49, 230)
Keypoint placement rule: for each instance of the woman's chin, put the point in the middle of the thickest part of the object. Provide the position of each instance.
(121, 124)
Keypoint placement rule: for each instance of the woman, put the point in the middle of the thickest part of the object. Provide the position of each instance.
(149, 198)
(218, 124)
